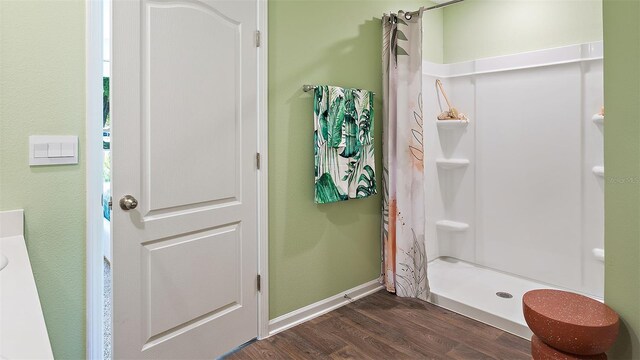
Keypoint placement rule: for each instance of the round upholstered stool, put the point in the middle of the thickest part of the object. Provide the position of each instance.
(568, 324)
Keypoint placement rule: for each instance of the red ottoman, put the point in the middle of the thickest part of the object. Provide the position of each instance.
(568, 322)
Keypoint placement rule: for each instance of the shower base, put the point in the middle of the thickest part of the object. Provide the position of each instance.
(471, 290)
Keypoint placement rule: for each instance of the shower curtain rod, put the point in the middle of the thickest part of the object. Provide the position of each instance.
(437, 6)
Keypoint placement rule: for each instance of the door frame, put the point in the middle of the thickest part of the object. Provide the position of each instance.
(93, 83)
(93, 163)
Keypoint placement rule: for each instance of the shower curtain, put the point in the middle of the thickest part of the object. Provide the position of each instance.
(404, 260)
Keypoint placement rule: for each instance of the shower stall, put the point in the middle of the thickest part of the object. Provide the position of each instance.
(514, 197)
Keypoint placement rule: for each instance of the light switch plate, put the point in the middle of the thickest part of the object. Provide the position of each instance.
(53, 150)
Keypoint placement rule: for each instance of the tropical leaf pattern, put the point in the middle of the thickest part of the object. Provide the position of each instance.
(343, 138)
(391, 36)
(418, 136)
(404, 259)
(412, 277)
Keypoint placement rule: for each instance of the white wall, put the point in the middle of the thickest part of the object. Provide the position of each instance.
(533, 205)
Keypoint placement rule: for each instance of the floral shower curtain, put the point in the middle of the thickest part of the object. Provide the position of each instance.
(404, 260)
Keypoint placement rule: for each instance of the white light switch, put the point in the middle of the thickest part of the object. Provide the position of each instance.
(40, 150)
(67, 149)
(53, 150)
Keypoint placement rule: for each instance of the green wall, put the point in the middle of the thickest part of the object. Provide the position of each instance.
(42, 93)
(483, 28)
(622, 159)
(316, 251)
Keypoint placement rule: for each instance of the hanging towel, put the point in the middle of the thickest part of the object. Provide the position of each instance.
(344, 161)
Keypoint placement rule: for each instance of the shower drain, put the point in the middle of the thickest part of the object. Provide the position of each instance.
(504, 295)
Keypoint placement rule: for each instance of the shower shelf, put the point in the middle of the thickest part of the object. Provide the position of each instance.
(598, 170)
(598, 119)
(598, 254)
(451, 163)
(449, 225)
(451, 124)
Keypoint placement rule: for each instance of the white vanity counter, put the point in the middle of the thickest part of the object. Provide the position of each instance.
(23, 334)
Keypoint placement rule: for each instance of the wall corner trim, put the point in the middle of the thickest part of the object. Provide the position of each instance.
(322, 307)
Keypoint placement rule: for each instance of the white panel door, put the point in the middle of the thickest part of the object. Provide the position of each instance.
(184, 86)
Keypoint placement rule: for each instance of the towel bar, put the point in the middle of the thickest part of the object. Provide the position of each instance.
(307, 88)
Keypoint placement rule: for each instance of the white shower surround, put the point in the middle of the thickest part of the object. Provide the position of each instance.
(533, 204)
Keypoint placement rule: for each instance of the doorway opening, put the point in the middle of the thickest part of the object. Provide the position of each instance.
(98, 178)
(107, 322)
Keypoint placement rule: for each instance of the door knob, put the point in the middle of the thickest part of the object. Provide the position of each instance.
(128, 202)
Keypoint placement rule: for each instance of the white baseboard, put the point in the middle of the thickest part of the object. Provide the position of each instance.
(322, 307)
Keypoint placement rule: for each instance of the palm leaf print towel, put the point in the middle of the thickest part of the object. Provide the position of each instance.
(343, 137)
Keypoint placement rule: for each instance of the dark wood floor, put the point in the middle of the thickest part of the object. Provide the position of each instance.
(384, 326)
